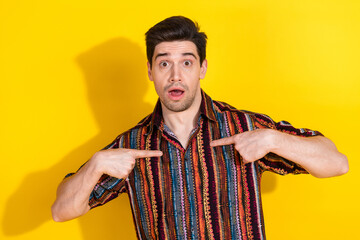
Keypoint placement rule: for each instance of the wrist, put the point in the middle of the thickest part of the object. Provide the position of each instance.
(95, 166)
(275, 140)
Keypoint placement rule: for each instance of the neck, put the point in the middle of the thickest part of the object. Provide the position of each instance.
(182, 123)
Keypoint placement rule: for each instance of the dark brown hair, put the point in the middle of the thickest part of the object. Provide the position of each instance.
(177, 28)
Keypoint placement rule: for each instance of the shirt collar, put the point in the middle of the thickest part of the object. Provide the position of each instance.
(206, 110)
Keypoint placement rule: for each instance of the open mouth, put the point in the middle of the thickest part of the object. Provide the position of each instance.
(176, 92)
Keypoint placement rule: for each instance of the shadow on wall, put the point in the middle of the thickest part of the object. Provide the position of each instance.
(115, 73)
(116, 77)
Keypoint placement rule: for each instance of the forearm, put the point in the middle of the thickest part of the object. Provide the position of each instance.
(318, 155)
(73, 193)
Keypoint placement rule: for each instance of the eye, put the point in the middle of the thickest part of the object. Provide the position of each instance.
(164, 64)
(187, 63)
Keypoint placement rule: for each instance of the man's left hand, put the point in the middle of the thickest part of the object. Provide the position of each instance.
(251, 145)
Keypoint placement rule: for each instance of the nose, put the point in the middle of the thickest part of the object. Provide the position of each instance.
(175, 74)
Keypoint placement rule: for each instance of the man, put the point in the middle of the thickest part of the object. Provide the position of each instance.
(192, 168)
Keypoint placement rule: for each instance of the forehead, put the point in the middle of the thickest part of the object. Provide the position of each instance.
(175, 48)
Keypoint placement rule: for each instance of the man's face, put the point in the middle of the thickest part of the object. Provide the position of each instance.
(176, 73)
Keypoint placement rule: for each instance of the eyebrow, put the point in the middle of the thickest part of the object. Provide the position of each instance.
(189, 54)
(184, 54)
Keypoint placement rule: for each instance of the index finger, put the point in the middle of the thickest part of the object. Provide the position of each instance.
(223, 141)
(145, 153)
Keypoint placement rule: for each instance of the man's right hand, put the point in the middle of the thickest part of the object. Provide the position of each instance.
(120, 162)
(73, 193)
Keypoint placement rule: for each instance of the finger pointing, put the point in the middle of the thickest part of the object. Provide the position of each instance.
(222, 141)
(145, 153)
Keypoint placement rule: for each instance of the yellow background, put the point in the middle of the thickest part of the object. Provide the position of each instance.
(73, 76)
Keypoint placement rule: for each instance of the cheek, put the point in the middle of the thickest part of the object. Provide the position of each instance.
(159, 85)
(157, 89)
(186, 70)
(161, 75)
(193, 77)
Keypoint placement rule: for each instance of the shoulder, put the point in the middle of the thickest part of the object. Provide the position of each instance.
(248, 120)
(260, 119)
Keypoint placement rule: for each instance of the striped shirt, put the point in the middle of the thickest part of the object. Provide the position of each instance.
(199, 192)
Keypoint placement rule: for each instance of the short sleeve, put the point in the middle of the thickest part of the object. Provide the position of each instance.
(107, 188)
(272, 162)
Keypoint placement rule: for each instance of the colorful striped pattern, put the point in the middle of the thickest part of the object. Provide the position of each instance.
(199, 192)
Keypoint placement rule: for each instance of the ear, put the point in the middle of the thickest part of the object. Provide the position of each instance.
(203, 69)
(149, 71)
